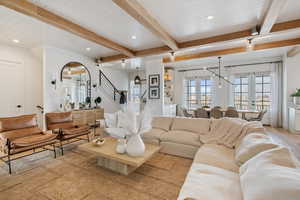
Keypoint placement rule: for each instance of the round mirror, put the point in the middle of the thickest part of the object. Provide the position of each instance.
(76, 86)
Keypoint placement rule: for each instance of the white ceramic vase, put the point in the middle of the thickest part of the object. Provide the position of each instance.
(135, 146)
(121, 146)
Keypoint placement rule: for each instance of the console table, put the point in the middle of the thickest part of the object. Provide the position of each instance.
(83, 117)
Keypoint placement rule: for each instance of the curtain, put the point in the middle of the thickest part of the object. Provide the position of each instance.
(277, 95)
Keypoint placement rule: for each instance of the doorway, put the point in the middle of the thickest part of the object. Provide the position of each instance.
(12, 89)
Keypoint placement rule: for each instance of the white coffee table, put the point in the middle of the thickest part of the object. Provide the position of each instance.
(120, 163)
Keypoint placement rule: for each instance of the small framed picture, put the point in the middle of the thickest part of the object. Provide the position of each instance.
(154, 93)
(154, 80)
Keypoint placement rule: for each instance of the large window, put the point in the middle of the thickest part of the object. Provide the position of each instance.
(253, 91)
(198, 93)
(241, 92)
(205, 92)
(191, 94)
(263, 91)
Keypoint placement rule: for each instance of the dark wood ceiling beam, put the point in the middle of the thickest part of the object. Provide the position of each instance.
(271, 15)
(269, 45)
(140, 14)
(32, 10)
(279, 27)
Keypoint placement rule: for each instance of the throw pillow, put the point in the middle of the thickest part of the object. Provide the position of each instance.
(110, 120)
(252, 145)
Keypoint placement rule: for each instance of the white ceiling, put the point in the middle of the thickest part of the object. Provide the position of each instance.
(183, 19)
(32, 33)
(187, 20)
(104, 18)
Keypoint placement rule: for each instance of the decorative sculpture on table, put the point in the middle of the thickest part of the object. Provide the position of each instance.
(140, 125)
(132, 126)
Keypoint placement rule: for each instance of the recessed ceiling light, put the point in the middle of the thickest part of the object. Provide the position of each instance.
(133, 37)
(210, 17)
(16, 41)
(88, 49)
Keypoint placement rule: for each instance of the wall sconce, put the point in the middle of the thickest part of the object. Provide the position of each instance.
(53, 82)
(94, 85)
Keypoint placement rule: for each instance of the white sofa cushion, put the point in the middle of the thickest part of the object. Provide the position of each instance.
(154, 133)
(272, 174)
(181, 137)
(217, 156)
(111, 120)
(205, 182)
(200, 126)
(163, 123)
(116, 132)
(251, 145)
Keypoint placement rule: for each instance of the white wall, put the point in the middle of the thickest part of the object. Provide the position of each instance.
(156, 67)
(291, 82)
(53, 61)
(33, 74)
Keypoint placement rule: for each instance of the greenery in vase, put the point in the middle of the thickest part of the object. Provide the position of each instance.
(296, 94)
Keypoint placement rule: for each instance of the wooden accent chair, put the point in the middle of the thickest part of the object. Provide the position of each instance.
(201, 113)
(231, 112)
(62, 124)
(216, 113)
(21, 134)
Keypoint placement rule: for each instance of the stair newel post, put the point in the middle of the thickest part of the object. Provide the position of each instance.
(100, 77)
(114, 94)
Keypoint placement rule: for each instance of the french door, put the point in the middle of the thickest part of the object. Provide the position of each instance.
(253, 91)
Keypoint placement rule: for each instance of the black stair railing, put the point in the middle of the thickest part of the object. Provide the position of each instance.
(108, 86)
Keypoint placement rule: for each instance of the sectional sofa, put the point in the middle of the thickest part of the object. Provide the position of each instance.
(232, 159)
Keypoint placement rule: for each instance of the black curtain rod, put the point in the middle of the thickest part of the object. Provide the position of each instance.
(227, 66)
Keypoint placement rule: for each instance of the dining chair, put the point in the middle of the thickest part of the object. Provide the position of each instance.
(218, 107)
(231, 108)
(233, 113)
(186, 113)
(216, 113)
(259, 117)
(201, 113)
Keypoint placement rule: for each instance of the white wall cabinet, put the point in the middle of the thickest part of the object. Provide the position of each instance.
(294, 120)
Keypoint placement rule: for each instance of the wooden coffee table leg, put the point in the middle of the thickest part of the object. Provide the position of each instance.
(115, 166)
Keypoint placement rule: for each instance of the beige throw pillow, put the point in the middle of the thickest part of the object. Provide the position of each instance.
(252, 145)
(200, 126)
(163, 123)
(271, 175)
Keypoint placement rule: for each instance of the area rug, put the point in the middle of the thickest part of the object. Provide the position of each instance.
(76, 176)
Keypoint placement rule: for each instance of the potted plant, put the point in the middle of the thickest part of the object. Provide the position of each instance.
(296, 97)
(97, 101)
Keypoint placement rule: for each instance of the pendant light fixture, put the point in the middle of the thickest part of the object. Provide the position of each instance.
(250, 44)
(172, 56)
(123, 63)
(219, 75)
(69, 71)
(137, 79)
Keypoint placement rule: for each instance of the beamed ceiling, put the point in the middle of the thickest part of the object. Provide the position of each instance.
(112, 30)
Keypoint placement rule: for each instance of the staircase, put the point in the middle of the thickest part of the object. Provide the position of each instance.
(109, 88)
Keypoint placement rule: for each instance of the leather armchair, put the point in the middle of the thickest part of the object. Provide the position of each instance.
(20, 134)
(62, 124)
